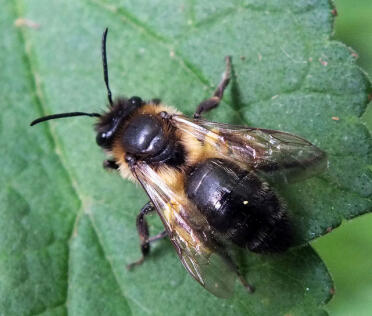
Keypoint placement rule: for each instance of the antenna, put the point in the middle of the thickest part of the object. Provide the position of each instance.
(62, 115)
(104, 62)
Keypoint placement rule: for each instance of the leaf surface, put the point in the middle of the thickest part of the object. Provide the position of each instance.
(68, 227)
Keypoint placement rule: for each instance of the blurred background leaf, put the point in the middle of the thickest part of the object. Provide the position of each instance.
(348, 250)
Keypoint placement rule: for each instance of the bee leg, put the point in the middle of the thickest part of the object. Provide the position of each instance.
(110, 164)
(250, 288)
(245, 283)
(143, 231)
(158, 236)
(214, 101)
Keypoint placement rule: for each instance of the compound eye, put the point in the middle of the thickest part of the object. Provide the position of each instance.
(135, 101)
(102, 139)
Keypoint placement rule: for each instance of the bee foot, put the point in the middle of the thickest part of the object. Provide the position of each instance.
(136, 263)
(245, 283)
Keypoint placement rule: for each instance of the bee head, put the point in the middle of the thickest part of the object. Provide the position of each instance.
(109, 122)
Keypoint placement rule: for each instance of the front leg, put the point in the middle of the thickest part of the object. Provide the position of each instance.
(214, 101)
(143, 232)
(110, 165)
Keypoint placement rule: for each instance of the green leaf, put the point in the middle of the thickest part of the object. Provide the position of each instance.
(68, 227)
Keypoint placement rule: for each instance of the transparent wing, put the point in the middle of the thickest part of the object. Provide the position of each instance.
(192, 236)
(277, 154)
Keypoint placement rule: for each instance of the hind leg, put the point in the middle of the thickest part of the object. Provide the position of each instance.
(245, 283)
(214, 101)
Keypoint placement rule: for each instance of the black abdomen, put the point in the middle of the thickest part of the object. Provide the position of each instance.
(240, 205)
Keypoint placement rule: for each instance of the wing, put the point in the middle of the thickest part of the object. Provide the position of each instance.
(280, 155)
(192, 236)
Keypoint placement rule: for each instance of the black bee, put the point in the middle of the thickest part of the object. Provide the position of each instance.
(208, 182)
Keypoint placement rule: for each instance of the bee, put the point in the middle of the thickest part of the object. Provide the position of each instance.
(210, 183)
